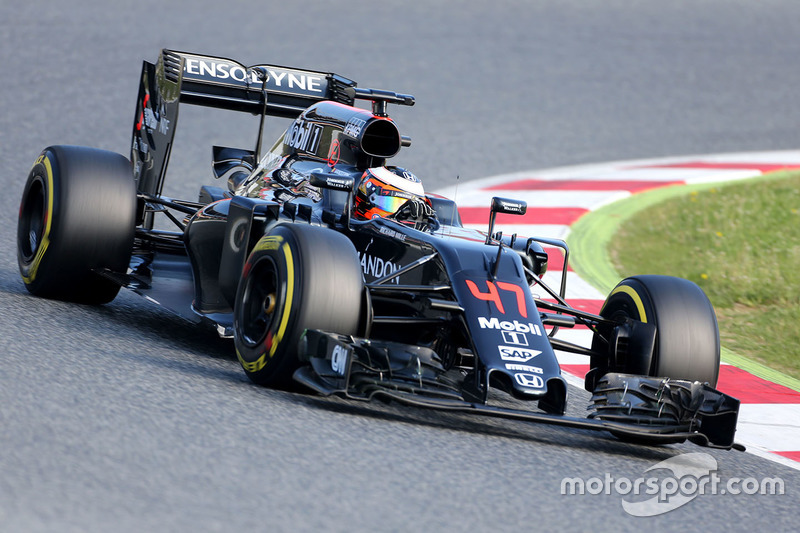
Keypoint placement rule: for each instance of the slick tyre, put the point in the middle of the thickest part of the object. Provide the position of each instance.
(687, 336)
(297, 277)
(77, 217)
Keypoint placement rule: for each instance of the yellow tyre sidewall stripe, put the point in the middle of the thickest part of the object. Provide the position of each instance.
(37, 259)
(287, 306)
(261, 362)
(637, 300)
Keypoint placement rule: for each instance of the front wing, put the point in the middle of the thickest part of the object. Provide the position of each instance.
(638, 408)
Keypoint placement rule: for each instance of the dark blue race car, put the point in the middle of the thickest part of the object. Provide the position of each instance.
(334, 271)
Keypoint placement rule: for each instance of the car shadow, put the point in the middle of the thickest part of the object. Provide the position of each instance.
(210, 357)
(539, 434)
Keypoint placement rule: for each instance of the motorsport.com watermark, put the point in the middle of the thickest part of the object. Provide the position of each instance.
(693, 474)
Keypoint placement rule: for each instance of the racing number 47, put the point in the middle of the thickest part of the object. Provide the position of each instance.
(493, 294)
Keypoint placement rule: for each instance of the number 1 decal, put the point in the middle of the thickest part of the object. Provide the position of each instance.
(494, 296)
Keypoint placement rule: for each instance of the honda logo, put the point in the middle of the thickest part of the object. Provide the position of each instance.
(529, 380)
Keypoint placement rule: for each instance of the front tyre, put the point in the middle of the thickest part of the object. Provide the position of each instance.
(77, 217)
(687, 343)
(297, 277)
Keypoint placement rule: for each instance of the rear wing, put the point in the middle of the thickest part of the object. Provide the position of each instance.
(180, 77)
(224, 83)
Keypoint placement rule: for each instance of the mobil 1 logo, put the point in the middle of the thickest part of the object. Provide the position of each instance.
(303, 136)
(514, 332)
(510, 326)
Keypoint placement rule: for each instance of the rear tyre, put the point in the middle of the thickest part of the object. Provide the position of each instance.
(687, 343)
(77, 217)
(297, 277)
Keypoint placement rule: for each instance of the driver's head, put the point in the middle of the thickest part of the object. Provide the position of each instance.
(383, 190)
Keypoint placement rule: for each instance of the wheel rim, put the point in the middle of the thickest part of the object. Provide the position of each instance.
(259, 302)
(32, 220)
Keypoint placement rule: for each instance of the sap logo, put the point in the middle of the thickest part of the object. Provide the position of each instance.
(339, 359)
(529, 380)
(518, 355)
(519, 327)
(525, 368)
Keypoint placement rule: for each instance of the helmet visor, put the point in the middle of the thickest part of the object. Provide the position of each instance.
(388, 201)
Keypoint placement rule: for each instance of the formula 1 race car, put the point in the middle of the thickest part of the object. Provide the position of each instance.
(316, 289)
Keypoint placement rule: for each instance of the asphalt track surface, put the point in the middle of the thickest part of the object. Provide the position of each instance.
(125, 418)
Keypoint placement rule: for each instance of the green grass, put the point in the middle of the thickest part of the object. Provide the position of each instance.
(741, 244)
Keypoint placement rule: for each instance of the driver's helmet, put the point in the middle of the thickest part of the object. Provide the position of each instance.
(383, 190)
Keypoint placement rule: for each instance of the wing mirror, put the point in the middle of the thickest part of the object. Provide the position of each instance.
(504, 205)
(331, 181)
(337, 183)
